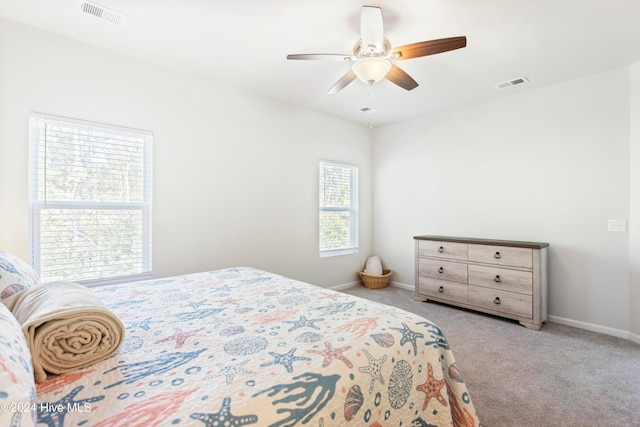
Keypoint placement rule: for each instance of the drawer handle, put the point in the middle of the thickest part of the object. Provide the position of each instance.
(497, 300)
(441, 270)
(440, 289)
(497, 255)
(440, 249)
(497, 279)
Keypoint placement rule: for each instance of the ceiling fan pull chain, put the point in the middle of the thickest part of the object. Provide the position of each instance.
(370, 108)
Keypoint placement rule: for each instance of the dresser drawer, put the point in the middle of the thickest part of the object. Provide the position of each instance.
(501, 301)
(437, 249)
(501, 255)
(443, 270)
(501, 278)
(443, 289)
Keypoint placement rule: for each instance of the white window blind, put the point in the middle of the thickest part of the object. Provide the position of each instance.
(90, 200)
(338, 215)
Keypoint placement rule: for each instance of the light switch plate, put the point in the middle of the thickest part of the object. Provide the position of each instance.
(617, 225)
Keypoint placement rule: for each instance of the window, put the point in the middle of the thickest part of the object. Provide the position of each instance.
(338, 216)
(90, 200)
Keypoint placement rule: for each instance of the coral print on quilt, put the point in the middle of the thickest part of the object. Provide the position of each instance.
(242, 347)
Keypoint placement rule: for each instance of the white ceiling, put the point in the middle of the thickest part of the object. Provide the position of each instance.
(245, 43)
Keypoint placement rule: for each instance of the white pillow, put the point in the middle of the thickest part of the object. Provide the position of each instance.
(373, 266)
(17, 385)
(15, 275)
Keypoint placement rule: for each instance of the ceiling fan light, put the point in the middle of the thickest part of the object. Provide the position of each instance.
(371, 70)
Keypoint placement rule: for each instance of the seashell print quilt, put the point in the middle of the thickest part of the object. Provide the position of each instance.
(244, 347)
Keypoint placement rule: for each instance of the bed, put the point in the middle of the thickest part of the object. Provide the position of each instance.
(241, 346)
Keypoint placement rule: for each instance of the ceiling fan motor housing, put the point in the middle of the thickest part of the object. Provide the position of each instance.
(360, 51)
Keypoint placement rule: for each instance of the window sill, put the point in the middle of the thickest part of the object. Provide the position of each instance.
(93, 283)
(338, 252)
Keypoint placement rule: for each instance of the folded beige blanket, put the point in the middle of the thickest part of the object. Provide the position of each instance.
(67, 327)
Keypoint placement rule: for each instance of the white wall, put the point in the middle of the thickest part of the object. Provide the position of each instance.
(549, 164)
(634, 216)
(235, 175)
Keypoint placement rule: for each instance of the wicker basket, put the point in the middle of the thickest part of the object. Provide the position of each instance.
(376, 282)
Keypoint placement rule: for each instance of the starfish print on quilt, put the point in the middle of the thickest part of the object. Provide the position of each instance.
(230, 371)
(302, 322)
(373, 368)
(409, 336)
(50, 413)
(330, 353)
(224, 417)
(285, 359)
(431, 388)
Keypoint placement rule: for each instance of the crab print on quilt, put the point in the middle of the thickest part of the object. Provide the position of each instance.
(241, 346)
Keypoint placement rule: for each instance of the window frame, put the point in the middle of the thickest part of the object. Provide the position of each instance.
(37, 206)
(352, 209)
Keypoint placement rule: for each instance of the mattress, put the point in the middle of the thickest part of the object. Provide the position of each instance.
(241, 346)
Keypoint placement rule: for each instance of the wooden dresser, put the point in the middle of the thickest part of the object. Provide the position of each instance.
(501, 277)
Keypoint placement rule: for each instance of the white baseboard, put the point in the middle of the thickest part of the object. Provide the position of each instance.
(619, 333)
(403, 286)
(344, 286)
(358, 283)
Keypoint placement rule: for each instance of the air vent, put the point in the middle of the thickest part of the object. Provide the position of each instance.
(514, 82)
(103, 13)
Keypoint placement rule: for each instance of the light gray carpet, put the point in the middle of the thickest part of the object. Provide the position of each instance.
(558, 376)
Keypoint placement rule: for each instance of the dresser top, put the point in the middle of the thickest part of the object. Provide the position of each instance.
(513, 243)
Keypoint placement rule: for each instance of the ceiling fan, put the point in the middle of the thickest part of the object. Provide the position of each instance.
(373, 56)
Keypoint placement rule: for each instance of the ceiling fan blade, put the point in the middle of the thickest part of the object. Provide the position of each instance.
(343, 82)
(401, 78)
(371, 28)
(321, 56)
(431, 47)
